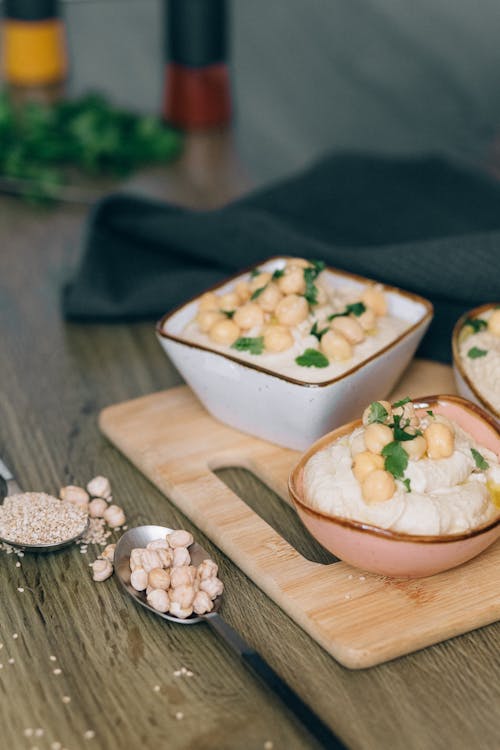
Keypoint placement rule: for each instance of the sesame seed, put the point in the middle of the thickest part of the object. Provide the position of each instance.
(349, 577)
(1, 666)
(183, 670)
(179, 715)
(1, 645)
(189, 673)
(177, 673)
(38, 732)
(11, 661)
(66, 699)
(57, 671)
(18, 564)
(362, 578)
(52, 657)
(56, 746)
(89, 734)
(28, 733)
(15, 636)
(347, 596)
(38, 518)
(20, 589)
(156, 688)
(268, 745)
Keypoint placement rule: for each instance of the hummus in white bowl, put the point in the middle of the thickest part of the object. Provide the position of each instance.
(479, 352)
(415, 475)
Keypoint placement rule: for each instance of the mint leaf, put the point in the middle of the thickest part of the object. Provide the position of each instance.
(477, 324)
(249, 344)
(475, 352)
(396, 459)
(312, 358)
(357, 309)
(278, 273)
(378, 413)
(481, 462)
(315, 332)
(402, 402)
(407, 484)
(258, 292)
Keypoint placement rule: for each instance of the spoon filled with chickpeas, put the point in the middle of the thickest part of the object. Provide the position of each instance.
(171, 575)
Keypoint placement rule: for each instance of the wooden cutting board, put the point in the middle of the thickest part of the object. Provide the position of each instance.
(359, 618)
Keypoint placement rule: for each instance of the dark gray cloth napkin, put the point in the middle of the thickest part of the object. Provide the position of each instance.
(426, 225)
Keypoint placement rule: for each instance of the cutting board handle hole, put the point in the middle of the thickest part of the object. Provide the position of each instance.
(277, 513)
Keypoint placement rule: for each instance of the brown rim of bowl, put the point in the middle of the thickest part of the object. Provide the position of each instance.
(423, 402)
(476, 311)
(308, 384)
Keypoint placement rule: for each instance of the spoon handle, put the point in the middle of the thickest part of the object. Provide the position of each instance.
(6, 474)
(261, 668)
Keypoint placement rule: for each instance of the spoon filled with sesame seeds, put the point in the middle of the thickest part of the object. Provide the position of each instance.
(36, 521)
(171, 575)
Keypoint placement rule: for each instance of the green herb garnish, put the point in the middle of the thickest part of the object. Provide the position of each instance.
(477, 324)
(481, 462)
(310, 275)
(399, 431)
(258, 292)
(402, 402)
(476, 352)
(228, 313)
(357, 309)
(407, 484)
(430, 412)
(396, 459)
(278, 273)
(255, 272)
(249, 344)
(315, 332)
(312, 358)
(377, 413)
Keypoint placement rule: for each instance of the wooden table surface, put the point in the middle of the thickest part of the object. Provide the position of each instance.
(55, 379)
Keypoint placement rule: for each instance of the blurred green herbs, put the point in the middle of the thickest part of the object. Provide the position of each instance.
(40, 143)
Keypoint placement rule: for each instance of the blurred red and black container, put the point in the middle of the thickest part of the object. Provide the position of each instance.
(197, 92)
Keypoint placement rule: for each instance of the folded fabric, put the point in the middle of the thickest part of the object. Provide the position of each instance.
(426, 225)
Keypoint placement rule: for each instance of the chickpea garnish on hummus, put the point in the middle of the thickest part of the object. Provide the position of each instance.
(295, 322)
(416, 473)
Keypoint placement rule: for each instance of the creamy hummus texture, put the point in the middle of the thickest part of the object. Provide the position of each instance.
(296, 322)
(480, 355)
(447, 495)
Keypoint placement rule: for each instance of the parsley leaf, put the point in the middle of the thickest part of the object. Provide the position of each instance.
(476, 352)
(315, 332)
(312, 358)
(477, 324)
(248, 344)
(402, 402)
(378, 413)
(407, 484)
(396, 459)
(430, 412)
(258, 292)
(255, 272)
(310, 275)
(228, 313)
(278, 273)
(399, 432)
(357, 309)
(481, 462)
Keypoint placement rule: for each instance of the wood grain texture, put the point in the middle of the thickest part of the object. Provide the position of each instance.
(361, 621)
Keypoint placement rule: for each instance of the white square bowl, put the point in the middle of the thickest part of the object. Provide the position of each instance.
(275, 407)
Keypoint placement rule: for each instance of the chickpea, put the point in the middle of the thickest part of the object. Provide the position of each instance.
(180, 538)
(150, 559)
(377, 436)
(180, 556)
(292, 282)
(242, 289)
(101, 569)
(277, 339)
(208, 301)
(367, 320)
(136, 558)
(114, 516)
(335, 346)
(248, 316)
(158, 599)
(158, 544)
(182, 595)
(257, 282)
(202, 603)
(368, 411)
(408, 415)
(349, 328)
(97, 507)
(292, 310)
(75, 495)
(378, 487)
(108, 552)
(212, 586)
(182, 575)
(159, 579)
(166, 557)
(300, 262)
(416, 448)
(364, 463)
(224, 332)
(99, 487)
(375, 299)
(269, 299)
(207, 318)
(229, 301)
(181, 612)
(207, 569)
(440, 440)
(494, 323)
(139, 579)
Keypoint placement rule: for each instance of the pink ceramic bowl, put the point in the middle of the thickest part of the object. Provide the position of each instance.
(393, 553)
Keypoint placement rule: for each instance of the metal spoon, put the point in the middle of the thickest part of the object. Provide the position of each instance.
(140, 537)
(14, 489)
